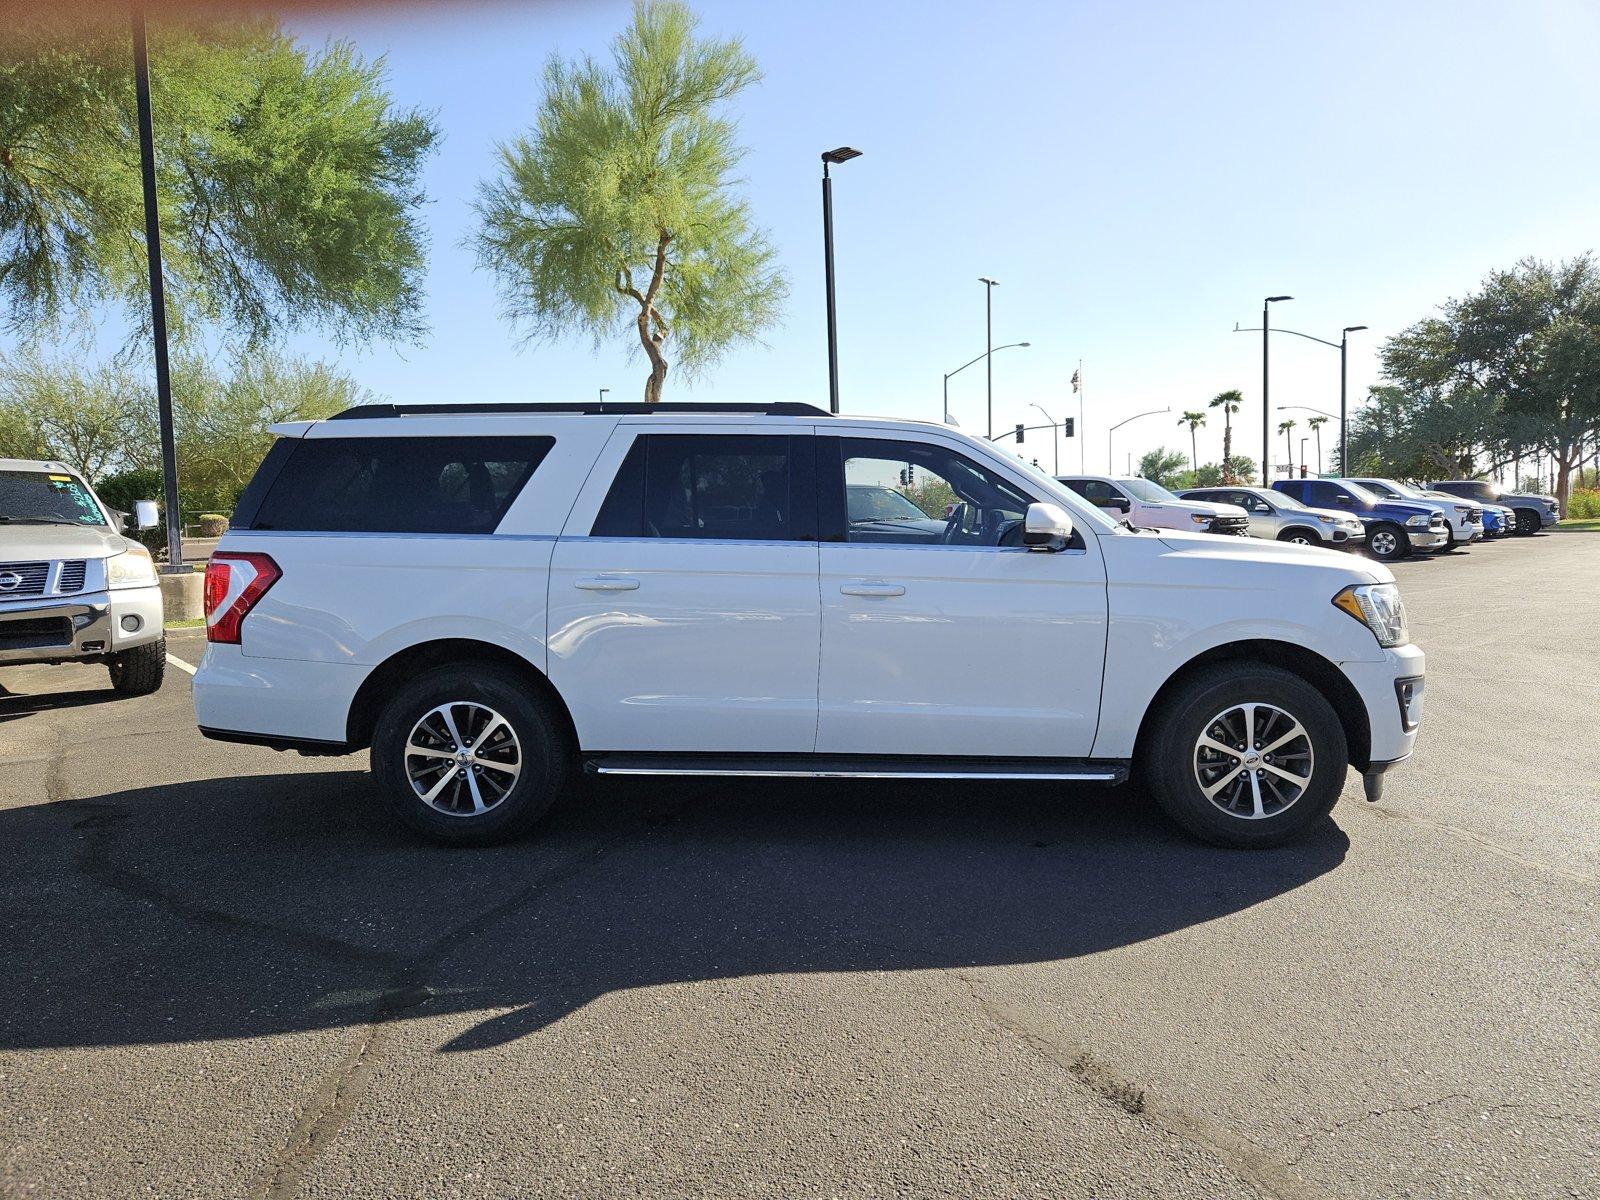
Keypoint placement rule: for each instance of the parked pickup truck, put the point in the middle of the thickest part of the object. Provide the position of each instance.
(1395, 529)
(1464, 517)
(1279, 517)
(1148, 505)
(489, 597)
(1534, 511)
(72, 588)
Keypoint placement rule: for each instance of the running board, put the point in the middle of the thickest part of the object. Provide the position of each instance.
(858, 766)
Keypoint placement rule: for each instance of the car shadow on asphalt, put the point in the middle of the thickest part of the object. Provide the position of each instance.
(234, 908)
(19, 704)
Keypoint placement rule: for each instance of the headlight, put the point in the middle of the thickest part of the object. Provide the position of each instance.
(1328, 520)
(131, 568)
(1200, 518)
(1377, 606)
(1419, 521)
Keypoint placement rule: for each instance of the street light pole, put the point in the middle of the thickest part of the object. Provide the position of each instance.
(1266, 383)
(603, 392)
(1119, 425)
(1344, 425)
(988, 318)
(968, 363)
(835, 157)
(158, 297)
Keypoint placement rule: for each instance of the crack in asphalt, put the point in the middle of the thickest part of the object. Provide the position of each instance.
(1246, 1161)
(1476, 839)
(1308, 1139)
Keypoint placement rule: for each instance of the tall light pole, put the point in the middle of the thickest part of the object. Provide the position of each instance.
(1119, 425)
(603, 392)
(841, 155)
(1344, 424)
(1303, 442)
(1266, 404)
(1055, 436)
(965, 365)
(158, 297)
(988, 314)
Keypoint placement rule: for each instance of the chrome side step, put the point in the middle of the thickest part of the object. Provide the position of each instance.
(820, 766)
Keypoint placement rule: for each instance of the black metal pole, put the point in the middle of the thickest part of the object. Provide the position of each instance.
(827, 270)
(1266, 401)
(158, 298)
(1344, 444)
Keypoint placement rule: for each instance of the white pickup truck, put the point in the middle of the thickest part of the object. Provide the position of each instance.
(72, 588)
(1145, 504)
(490, 596)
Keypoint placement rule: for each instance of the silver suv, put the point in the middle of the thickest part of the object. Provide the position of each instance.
(1280, 517)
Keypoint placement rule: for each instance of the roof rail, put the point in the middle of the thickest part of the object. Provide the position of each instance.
(592, 408)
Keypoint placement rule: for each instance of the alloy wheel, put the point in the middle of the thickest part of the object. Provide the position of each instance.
(1253, 760)
(462, 758)
(1384, 543)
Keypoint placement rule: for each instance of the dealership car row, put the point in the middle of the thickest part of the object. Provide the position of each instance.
(1387, 518)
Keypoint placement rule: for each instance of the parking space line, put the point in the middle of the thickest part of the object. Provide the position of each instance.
(180, 664)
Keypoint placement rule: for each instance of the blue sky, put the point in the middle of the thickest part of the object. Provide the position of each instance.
(1137, 176)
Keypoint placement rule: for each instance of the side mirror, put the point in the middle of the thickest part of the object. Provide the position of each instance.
(1046, 527)
(1120, 503)
(145, 515)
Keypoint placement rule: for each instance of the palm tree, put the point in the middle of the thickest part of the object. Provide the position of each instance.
(1284, 427)
(1229, 403)
(1315, 424)
(1193, 420)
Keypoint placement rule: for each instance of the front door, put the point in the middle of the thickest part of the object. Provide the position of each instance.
(683, 613)
(948, 638)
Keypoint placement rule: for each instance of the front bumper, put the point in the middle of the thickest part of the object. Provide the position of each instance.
(1427, 539)
(61, 629)
(1390, 739)
(1549, 517)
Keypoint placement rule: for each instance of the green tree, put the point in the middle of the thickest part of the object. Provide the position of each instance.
(618, 208)
(1425, 434)
(1193, 420)
(1160, 465)
(1315, 424)
(1229, 403)
(86, 417)
(287, 181)
(1529, 340)
(1240, 469)
(1284, 428)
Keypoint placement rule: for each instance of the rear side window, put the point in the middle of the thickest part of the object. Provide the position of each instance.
(398, 484)
(720, 487)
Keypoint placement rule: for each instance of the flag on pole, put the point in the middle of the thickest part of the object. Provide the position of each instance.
(1075, 381)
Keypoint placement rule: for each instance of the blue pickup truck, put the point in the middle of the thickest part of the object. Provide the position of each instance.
(1395, 528)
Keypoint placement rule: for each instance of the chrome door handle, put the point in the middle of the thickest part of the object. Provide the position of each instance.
(607, 583)
(872, 589)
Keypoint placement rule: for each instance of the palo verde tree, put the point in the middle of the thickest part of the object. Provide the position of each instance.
(1161, 465)
(1529, 341)
(619, 207)
(1229, 403)
(287, 180)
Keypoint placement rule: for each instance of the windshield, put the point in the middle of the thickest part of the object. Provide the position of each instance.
(46, 498)
(1146, 490)
(1360, 493)
(882, 504)
(1388, 487)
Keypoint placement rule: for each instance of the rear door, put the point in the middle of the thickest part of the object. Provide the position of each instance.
(967, 646)
(683, 611)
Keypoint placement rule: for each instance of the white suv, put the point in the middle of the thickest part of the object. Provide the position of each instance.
(1147, 505)
(491, 596)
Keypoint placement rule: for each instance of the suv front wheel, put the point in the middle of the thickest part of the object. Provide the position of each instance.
(1247, 755)
(468, 756)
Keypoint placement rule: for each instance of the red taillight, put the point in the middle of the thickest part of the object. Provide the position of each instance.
(234, 582)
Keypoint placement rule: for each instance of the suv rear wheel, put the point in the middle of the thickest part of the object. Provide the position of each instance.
(1247, 755)
(468, 756)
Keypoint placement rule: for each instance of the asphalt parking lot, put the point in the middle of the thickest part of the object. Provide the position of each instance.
(228, 974)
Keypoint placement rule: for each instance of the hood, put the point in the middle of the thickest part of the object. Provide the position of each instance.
(1204, 507)
(1335, 513)
(27, 543)
(1245, 554)
(1408, 508)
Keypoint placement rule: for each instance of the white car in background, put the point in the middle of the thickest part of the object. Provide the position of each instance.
(1147, 505)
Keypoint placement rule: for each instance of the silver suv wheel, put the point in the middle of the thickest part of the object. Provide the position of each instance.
(462, 758)
(1253, 760)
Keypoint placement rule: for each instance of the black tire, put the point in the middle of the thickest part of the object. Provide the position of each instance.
(1449, 545)
(1301, 536)
(1208, 704)
(1387, 542)
(1528, 522)
(140, 670)
(536, 747)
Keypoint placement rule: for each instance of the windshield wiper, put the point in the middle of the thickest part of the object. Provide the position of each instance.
(9, 520)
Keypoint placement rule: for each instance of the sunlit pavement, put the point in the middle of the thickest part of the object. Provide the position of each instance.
(227, 973)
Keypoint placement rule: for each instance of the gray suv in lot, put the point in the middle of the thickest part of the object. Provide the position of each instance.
(1280, 517)
(1534, 512)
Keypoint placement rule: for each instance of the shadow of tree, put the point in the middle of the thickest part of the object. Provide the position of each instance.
(232, 908)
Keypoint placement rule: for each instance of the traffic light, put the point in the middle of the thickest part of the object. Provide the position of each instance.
(1019, 434)
(1067, 427)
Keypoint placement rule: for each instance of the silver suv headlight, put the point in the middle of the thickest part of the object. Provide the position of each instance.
(131, 568)
(1377, 606)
